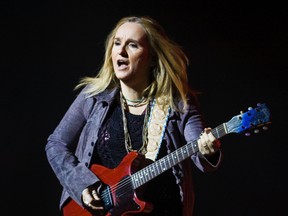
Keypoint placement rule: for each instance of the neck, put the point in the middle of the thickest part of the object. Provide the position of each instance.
(132, 94)
(134, 107)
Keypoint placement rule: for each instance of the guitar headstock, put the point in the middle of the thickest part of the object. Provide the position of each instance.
(252, 119)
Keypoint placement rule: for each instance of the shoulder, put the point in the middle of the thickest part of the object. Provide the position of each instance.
(106, 95)
(192, 104)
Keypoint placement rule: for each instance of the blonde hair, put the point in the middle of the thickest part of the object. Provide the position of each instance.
(169, 76)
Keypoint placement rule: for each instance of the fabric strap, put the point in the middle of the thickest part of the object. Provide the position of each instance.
(156, 127)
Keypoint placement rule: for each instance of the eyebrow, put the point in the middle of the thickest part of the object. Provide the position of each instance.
(129, 40)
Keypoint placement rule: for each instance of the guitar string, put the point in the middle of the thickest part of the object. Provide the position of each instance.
(219, 131)
(125, 184)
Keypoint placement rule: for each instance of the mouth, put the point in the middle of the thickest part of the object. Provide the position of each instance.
(122, 64)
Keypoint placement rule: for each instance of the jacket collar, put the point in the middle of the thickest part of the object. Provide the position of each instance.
(108, 95)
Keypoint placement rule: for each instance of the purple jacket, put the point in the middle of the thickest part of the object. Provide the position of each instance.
(77, 132)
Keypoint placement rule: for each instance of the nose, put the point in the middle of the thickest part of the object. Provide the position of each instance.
(122, 51)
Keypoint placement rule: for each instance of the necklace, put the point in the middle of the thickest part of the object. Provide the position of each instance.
(128, 143)
(135, 103)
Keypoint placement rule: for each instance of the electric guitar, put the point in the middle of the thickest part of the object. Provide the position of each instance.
(121, 185)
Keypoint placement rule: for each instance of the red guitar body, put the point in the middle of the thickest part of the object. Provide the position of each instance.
(124, 199)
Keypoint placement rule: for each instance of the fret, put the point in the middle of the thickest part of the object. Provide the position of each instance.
(152, 171)
(174, 157)
(177, 155)
(186, 151)
(141, 178)
(180, 154)
(157, 167)
(170, 158)
(146, 175)
(194, 146)
(135, 180)
(162, 165)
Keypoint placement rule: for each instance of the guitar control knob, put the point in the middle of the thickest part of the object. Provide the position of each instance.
(247, 134)
(256, 131)
(265, 128)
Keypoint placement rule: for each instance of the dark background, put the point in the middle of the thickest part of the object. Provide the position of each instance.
(238, 58)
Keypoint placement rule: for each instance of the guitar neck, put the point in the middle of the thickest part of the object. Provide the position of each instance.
(158, 167)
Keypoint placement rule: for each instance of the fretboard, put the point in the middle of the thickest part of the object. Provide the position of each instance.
(158, 167)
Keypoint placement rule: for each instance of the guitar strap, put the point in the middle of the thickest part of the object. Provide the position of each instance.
(156, 127)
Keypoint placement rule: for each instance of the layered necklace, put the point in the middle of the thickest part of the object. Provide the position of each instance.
(136, 103)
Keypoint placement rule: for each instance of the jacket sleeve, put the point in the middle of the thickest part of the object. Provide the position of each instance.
(193, 125)
(190, 124)
(61, 146)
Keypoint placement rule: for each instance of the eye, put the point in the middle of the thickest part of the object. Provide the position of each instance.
(117, 43)
(133, 45)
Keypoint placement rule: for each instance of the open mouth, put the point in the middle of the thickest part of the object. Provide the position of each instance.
(122, 64)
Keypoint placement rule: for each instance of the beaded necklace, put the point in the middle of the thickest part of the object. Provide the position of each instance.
(128, 143)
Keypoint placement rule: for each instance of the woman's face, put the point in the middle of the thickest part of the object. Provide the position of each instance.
(130, 55)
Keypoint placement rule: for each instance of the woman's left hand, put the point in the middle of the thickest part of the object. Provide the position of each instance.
(207, 143)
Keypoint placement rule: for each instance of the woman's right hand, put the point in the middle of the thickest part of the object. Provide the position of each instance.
(91, 200)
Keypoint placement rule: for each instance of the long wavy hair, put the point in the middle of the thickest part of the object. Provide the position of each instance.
(168, 76)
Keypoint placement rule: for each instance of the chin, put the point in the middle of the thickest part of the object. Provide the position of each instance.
(122, 75)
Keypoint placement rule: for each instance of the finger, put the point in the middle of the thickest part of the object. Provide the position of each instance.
(97, 205)
(206, 140)
(203, 148)
(210, 139)
(86, 194)
(214, 143)
(207, 130)
(86, 197)
(95, 195)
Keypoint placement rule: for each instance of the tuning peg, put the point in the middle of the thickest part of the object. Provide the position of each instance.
(241, 112)
(256, 131)
(265, 128)
(247, 134)
(250, 108)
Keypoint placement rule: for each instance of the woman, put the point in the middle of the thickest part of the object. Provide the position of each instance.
(140, 105)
